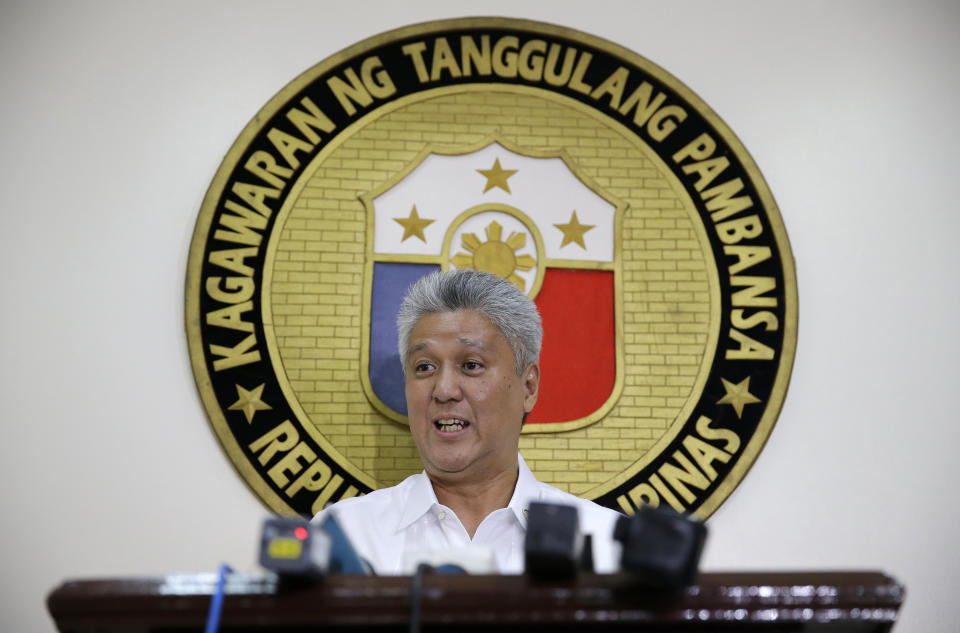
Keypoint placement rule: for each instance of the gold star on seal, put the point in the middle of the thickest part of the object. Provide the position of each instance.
(497, 176)
(573, 231)
(738, 395)
(249, 402)
(413, 226)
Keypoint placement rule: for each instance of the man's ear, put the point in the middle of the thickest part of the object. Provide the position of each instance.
(531, 386)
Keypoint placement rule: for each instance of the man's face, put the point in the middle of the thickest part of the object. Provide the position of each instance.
(464, 398)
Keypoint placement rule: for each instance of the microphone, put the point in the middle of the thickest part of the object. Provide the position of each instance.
(554, 547)
(661, 548)
(294, 548)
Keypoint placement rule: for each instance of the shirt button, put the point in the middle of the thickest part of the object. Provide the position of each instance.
(442, 516)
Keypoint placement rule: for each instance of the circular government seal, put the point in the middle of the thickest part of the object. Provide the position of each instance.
(578, 170)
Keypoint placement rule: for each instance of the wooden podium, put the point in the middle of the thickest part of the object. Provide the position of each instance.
(721, 602)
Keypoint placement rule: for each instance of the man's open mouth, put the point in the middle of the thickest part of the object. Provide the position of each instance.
(450, 425)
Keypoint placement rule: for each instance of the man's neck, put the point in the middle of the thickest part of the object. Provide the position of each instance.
(473, 501)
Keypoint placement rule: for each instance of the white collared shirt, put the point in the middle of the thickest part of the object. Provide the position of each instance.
(386, 526)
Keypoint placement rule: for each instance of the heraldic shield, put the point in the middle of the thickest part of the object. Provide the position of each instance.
(527, 216)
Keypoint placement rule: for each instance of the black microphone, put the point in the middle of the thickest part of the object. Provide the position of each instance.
(661, 548)
(554, 547)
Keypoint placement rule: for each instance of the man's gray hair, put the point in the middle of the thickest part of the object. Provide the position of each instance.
(507, 307)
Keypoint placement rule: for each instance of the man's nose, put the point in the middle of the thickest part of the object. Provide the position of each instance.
(447, 386)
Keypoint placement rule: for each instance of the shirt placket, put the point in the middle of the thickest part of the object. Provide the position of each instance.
(501, 532)
(449, 525)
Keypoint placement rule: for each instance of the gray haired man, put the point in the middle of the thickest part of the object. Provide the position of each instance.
(470, 345)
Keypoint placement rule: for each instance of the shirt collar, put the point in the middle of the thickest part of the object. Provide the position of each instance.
(525, 492)
(421, 497)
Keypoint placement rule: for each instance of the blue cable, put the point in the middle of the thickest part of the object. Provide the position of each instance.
(216, 603)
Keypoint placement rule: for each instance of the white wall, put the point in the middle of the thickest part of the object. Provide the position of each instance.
(114, 117)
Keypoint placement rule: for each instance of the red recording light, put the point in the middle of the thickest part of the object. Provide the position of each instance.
(300, 533)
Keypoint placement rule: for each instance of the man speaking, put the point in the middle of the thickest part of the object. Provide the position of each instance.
(470, 346)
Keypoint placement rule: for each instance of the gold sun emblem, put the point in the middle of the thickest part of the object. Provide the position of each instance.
(496, 256)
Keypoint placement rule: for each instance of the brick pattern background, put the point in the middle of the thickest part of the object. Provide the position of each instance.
(318, 271)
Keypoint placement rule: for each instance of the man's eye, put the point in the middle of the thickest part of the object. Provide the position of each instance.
(420, 367)
(472, 365)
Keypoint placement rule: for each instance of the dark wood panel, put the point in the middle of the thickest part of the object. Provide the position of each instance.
(721, 602)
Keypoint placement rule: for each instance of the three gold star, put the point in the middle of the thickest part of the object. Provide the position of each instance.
(413, 225)
(249, 402)
(738, 395)
(573, 231)
(497, 176)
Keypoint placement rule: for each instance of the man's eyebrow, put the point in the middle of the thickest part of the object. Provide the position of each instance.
(469, 342)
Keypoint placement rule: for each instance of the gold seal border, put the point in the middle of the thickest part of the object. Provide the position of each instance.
(209, 205)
